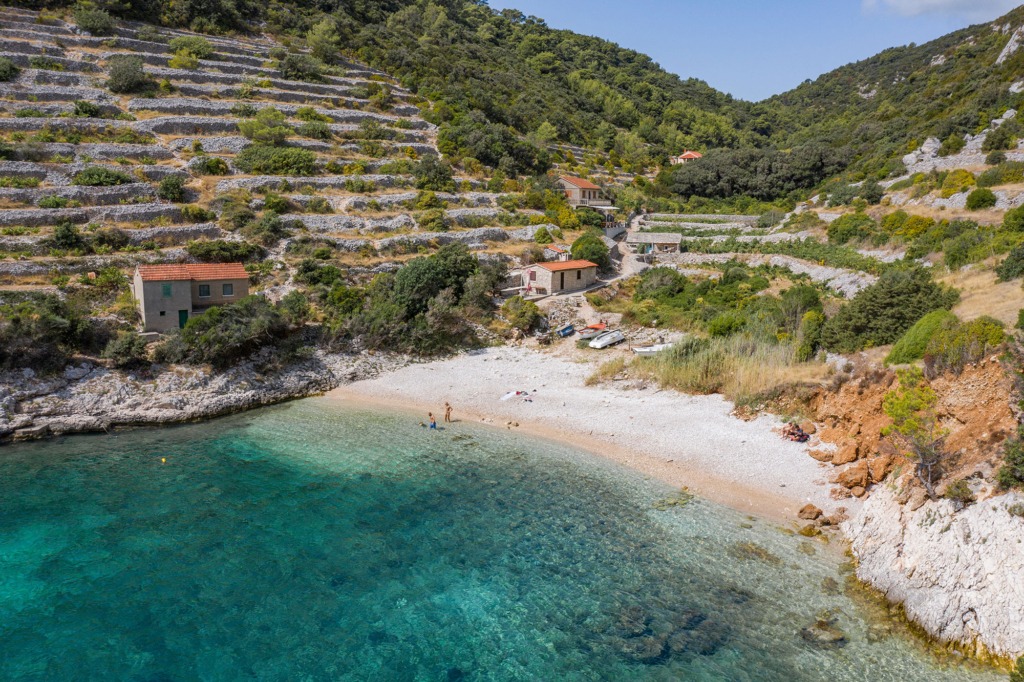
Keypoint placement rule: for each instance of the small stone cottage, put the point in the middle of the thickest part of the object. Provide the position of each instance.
(558, 277)
(580, 192)
(167, 295)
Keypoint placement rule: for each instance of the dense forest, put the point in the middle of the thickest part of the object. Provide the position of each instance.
(503, 86)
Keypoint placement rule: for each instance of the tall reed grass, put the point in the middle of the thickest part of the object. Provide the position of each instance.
(739, 367)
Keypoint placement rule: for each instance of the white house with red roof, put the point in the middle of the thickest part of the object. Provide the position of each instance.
(685, 157)
(167, 295)
(582, 192)
(558, 277)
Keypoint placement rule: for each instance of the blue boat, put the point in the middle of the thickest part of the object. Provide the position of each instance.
(567, 330)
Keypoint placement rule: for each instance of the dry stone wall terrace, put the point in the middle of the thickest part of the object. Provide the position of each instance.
(172, 133)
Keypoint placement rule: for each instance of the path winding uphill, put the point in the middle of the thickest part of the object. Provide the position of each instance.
(61, 119)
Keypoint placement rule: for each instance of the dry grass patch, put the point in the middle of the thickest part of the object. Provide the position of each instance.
(607, 371)
(738, 367)
(981, 294)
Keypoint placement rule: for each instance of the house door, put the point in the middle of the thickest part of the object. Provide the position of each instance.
(182, 318)
(561, 280)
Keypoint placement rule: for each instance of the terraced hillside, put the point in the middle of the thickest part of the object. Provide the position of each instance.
(93, 178)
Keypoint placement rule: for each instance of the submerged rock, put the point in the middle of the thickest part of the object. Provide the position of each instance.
(823, 633)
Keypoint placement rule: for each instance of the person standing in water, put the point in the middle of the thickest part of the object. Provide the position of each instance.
(433, 422)
(447, 413)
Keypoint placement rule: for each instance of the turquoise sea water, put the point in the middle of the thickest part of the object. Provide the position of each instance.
(312, 542)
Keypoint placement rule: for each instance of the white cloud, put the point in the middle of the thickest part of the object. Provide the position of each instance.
(975, 9)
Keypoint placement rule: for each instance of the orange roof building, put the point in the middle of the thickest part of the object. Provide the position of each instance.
(168, 295)
(685, 157)
(582, 192)
(558, 277)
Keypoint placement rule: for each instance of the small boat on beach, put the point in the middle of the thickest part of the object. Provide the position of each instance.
(590, 331)
(651, 350)
(607, 339)
(567, 330)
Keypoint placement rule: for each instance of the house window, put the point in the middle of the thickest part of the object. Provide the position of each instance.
(533, 275)
(204, 291)
(228, 289)
(163, 313)
(579, 274)
(165, 290)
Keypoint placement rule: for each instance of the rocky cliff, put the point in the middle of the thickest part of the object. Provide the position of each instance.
(959, 574)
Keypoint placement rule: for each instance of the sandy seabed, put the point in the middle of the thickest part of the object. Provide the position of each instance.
(683, 440)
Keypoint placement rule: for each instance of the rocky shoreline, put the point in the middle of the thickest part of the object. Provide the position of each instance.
(88, 397)
(956, 573)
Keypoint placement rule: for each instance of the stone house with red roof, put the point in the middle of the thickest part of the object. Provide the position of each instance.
(685, 157)
(582, 192)
(168, 295)
(558, 277)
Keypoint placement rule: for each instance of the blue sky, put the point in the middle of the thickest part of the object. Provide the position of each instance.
(757, 48)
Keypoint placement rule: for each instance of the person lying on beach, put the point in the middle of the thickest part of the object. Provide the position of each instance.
(794, 433)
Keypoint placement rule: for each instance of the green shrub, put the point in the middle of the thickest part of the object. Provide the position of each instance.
(1012, 266)
(85, 109)
(1020, 319)
(1011, 473)
(99, 176)
(94, 20)
(994, 159)
(1004, 173)
(172, 188)
(30, 112)
(244, 110)
(913, 344)
(542, 236)
(960, 494)
(184, 60)
(301, 67)
(520, 313)
(953, 345)
(210, 165)
(8, 70)
(220, 251)
(1001, 138)
(726, 324)
(588, 246)
(319, 205)
(312, 273)
(981, 198)
(224, 335)
(884, 311)
(323, 40)
(126, 75)
(957, 181)
(269, 127)
(952, 144)
(849, 227)
(19, 181)
(41, 333)
(53, 202)
(277, 203)
(113, 238)
(197, 214)
(315, 130)
(433, 220)
(310, 115)
(268, 230)
(1013, 220)
(196, 45)
(270, 160)
(810, 335)
(67, 237)
(45, 63)
(434, 174)
(126, 350)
